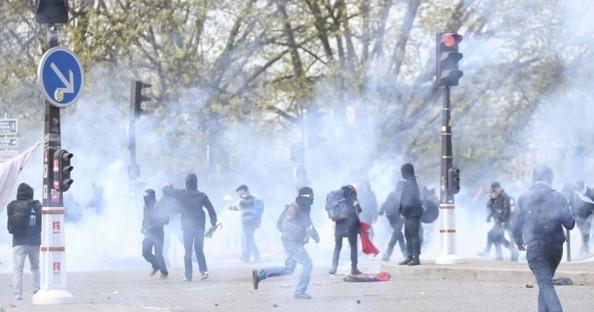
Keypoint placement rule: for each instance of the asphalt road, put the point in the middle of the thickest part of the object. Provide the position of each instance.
(229, 289)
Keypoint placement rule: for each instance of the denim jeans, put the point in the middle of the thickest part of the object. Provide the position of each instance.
(397, 237)
(20, 252)
(194, 239)
(296, 253)
(154, 239)
(543, 259)
(248, 243)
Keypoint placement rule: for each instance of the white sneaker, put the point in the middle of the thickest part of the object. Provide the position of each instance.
(18, 297)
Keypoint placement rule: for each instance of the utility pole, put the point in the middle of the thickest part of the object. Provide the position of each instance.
(136, 99)
(447, 58)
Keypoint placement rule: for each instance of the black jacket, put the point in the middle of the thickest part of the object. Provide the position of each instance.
(32, 234)
(542, 195)
(155, 216)
(192, 204)
(411, 205)
(350, 225)
(500, 208)
(391, 207)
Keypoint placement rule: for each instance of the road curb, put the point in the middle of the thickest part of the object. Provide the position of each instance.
(515, 273)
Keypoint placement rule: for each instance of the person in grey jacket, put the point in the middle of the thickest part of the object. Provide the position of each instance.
(391, 208)
(538, 228)
(296, 229)
(411, 209)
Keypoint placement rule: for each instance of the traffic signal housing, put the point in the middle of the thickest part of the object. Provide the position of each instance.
(137, 97)
(447, 59)
(62, 170)
(51, 11)
(454, 180)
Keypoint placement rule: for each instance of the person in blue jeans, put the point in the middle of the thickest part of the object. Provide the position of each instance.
(296, 228)
(538, 228)
(193, 218)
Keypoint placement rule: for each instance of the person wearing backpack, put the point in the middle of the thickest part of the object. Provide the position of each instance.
(411, 209)
(193, 219)
(251, 209)
(538, 228)
(345, 226)
(296, 228)
(24, 223)
(391, 208)
(155, 218)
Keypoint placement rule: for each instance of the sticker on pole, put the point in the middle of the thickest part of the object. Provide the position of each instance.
(60, 76)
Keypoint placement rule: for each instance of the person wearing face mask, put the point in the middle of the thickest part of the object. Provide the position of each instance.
(251, 209)
(411, 210)
(296, 229)
(500, 207)
(152, 227)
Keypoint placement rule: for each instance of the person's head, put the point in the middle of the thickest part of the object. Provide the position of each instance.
(305, 196)
(542, 174)
(149, 197)
(243, 191)
(191, 182)
(25, 192)
(495, 189)
(350, 192)
(408, 171)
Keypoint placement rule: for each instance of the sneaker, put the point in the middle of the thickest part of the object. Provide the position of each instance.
(302, 296)
(355, 272)
(153, 272)
(164, 276)
(187, 279)
(332, 271)
(18, 297)
(405, 261)
(255, 279)
(414, 262)
(204, 276)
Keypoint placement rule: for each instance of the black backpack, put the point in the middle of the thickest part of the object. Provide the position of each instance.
(336, 206)
(18, 220)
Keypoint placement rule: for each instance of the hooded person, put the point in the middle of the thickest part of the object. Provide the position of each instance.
(348, 227)
(411, 209)
(296, 228)
(193, 218)
(155, 218)
(24, 223)
(538, 227)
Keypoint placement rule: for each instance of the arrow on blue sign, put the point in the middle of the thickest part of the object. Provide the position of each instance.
(55, 64)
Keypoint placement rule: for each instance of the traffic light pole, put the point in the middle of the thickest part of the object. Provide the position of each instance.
(446, 204)
(133, 166)
(52, 258)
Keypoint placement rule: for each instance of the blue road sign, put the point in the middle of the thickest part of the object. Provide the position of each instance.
(60, 76)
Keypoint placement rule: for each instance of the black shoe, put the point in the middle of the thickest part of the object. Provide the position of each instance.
(332, 271)
(405, 261)
(355, 272)
(414, 262)
(255, 279)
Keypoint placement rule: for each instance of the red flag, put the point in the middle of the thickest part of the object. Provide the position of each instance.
(366, 243)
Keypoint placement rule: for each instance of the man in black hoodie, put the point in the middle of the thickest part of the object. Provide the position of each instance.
(193, 220)
(538, 227)
(155, 218)
(24, 223)
(411, 209)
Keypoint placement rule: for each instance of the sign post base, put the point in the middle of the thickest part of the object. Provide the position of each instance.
(52, 296)
(447, 259)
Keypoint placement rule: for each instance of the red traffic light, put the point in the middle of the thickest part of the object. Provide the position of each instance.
(450, 40)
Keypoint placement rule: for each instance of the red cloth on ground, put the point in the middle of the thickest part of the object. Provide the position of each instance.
(366, 243)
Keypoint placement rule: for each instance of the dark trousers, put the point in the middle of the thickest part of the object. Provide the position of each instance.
(412, 227)
(496, 236)
(194, 239)
(397, 237)
(543, 260)
(585, 226)
(248, 246)
(154, 240)
(338, 246)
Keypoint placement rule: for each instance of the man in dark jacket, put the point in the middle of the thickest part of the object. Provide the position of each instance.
(348, 227)
(391, 208)
(152, 226)
(24, 223)
(411, 209)
(542, 214)
(296, 228)
(581, 201)
(499, 208)
(251, 209)
(193, 220)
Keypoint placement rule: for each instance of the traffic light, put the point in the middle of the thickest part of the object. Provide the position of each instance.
(454, 180)
(62, 170)
(136, 97)
(51, 11)
(447, 58)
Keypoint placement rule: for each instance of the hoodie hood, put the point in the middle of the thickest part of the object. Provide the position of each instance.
(191, 182)
(408, 171)
(150, 198)
(542, 174)
(25, 192)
